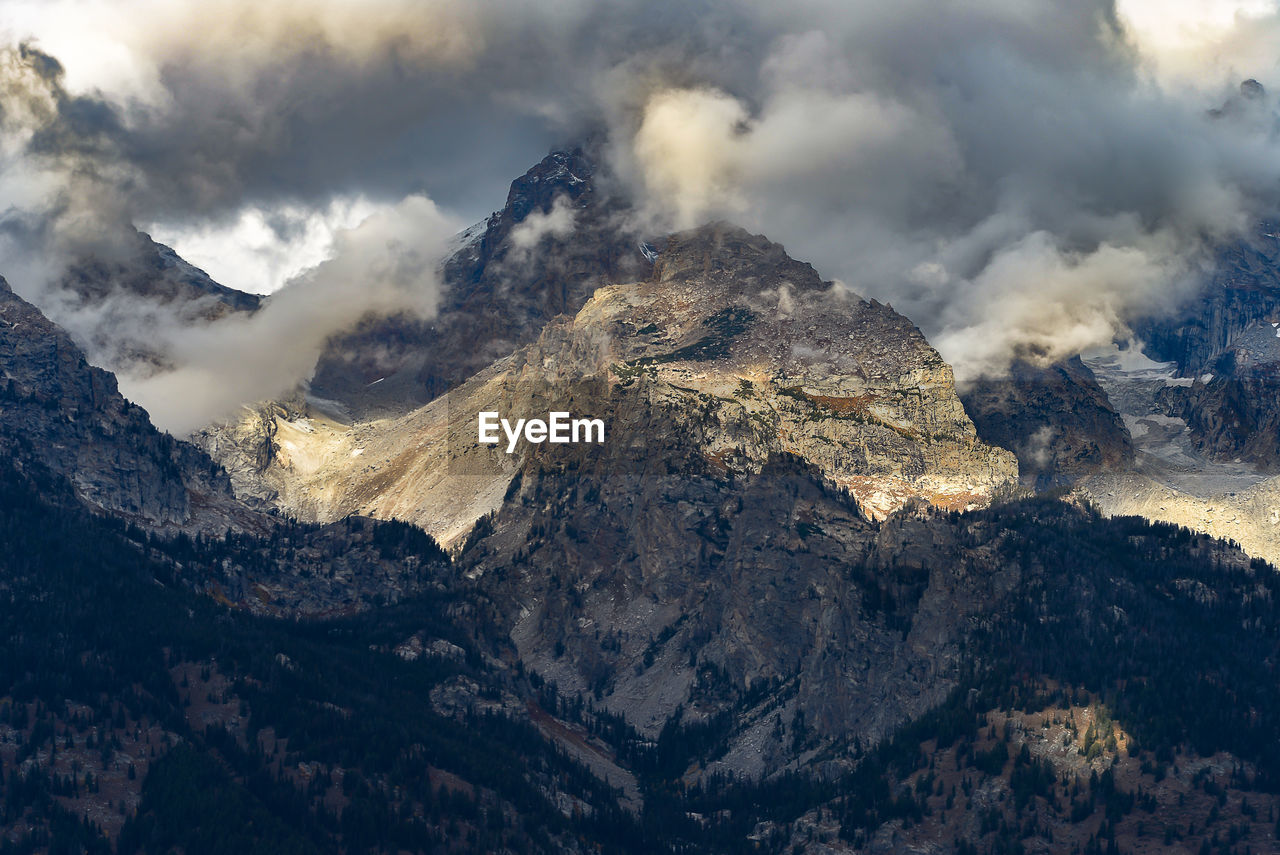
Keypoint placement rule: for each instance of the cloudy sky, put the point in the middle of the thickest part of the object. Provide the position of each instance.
(1017, 176)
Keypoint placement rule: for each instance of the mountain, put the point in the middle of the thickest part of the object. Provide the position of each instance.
(747, 353)
(68, 415)
(114, 296)
(1231, 411)
(1057, 419)
(140, 716)
(1197, 392)
(796, 601)
(560, 235)
(62, 416)
(142, 267)
(759, 630)
(1243, 289)
(645, 649)
(1225, 343)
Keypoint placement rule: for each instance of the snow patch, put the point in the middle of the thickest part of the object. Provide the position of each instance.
(469, 236)
(1129, 360)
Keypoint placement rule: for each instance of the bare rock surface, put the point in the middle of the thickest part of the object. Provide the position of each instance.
(1173, 479)
(69, 416)
(1056, 418)
(750, 351)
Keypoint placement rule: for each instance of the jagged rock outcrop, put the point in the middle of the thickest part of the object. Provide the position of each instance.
(1233, 410)
(558, 238)
(1244, 290)
(58, 410)
(113, 300)
(749, 351)
(1055, 418)
(758, 356)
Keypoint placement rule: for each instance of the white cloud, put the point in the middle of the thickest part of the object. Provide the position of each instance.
(263, 248)
(1198, 42)
(1016, 176)
(389, 263)
(557, 223)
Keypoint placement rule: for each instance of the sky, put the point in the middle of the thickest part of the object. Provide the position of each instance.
(1019, 177)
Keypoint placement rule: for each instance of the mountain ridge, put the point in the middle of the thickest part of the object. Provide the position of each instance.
(760, 353)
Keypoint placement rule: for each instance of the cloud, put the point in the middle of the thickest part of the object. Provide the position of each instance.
(1019, 177)
(389, 263)
(213, 106)
(1184, 41)
(557, 223)
(1012, 176)
(687, 147)
(1036, 302)
(265, 247)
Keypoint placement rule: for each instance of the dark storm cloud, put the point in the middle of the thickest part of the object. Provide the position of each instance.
(1015, 175)
(1007, 173)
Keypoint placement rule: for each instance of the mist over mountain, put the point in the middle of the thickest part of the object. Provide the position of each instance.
(1022, 183)
(933, 351)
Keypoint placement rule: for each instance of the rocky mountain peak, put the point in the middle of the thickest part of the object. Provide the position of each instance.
(1252, 90)
(729, 355)
(732, 259)
(759, 357)
(557, 239)
(64, 414)
(140, 267)
(560, 173)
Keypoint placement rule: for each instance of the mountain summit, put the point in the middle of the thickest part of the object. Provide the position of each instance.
(748, 353)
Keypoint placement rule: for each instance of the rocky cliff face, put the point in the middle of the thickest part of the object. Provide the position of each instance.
(558, 238)
(60, 411)
(113, 300)
(676, 595)
(1244, 290)
(747, 352)
(1056, 419)
(758, 356)
(1233, 410)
